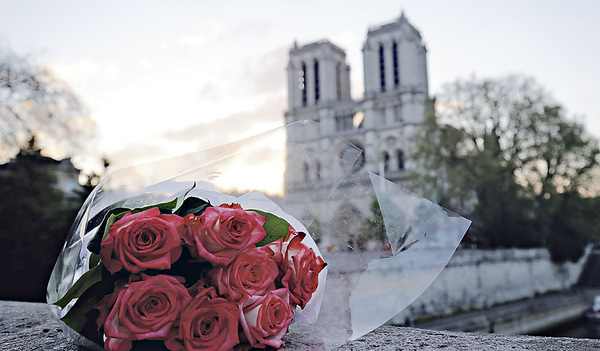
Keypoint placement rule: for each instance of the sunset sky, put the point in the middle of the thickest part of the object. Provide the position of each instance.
(162, 78)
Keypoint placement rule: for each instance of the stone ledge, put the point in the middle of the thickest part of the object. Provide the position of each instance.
(31, 326)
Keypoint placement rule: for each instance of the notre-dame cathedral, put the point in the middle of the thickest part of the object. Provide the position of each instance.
(381, 123)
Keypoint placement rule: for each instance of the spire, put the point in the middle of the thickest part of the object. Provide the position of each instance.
(402, 16)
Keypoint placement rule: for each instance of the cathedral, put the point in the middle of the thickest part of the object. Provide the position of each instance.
(380, 124)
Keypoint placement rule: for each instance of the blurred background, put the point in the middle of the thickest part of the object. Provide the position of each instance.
(90, 87)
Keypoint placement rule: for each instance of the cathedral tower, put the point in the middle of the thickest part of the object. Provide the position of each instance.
(382, 123)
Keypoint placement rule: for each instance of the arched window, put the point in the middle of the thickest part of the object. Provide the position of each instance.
(318, 170)
(397, 113)
(302, 79)
(400, 156)
(396, 68)
(381, 68)
(386, 161)
(317, 92)
(338, 80)
(306, 170)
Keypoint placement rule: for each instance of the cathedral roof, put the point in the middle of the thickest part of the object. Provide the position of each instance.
(318, 44)
(388, 27)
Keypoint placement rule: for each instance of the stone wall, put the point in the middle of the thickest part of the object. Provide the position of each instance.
(476, 279)
(31, 326)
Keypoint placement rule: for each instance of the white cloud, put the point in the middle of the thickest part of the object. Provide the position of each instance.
(76, 71)
(192, 41)
(146, 64)
(84, 70)
(235, 126)
(268, 74)
(209, 32)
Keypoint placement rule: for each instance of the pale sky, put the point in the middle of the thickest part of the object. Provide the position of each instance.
(163, 78)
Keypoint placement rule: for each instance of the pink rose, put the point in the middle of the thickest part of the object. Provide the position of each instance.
(251, 273)
(145, 240)
(105, 305)
(209, 323)
(301, 268)
(145, 310)
(265, 319)
(220, 233)
(274, 250)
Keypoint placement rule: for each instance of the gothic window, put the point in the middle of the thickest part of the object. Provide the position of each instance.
(400, 156)
(396, 68)
(397, 113)
(338, 80)
(302, 79)
(381, 68)
(306, 176)
(344, 122)
(381, 120)
(386, 161)
(317, 92)
(318, 171)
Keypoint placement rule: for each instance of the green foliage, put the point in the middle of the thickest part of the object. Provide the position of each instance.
(503, 153)
(88, 279)
(38, 112)
(275, 227)
(373, 228)
(34, 222)
(316, 230)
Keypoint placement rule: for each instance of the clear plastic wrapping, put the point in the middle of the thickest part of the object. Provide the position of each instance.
(363, 285)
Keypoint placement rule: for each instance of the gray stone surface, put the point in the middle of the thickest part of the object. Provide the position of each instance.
(31, 326)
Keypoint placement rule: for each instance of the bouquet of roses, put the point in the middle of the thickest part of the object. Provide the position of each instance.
(159, 257)
(193, 276)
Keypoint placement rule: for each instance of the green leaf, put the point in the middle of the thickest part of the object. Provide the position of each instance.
(94, 260)
(76, 317)
(94, 244)
(88, 279)
(192, 205)
(169, 206)
(109, 222)
(82, 315)
(275, 227)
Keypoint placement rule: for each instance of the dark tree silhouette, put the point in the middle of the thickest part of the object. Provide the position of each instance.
(502, 152)
(34, 105)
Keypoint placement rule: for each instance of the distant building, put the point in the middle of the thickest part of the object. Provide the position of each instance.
(382, 123)
(66, 175)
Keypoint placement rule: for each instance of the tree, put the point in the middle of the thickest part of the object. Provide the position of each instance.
(34, 105)
(37, 113)
(373, 228)
(504, 154)
(34, 222)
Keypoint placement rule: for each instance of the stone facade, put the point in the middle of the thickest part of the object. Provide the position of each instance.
(479, 279)
(381, 124)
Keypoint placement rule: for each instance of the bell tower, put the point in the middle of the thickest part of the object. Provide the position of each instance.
(394, 59)
(317, 75)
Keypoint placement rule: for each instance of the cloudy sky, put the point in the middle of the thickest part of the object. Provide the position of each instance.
(162, 78)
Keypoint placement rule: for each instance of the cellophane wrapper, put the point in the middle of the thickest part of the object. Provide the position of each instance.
(360, 289)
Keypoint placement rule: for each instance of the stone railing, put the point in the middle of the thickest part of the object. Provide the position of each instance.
(31, 326)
